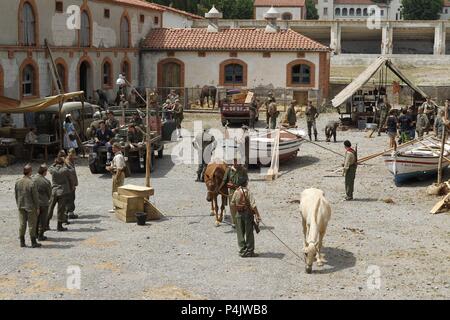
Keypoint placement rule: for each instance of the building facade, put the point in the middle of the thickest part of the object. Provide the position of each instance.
(92, 42)
(357, 9)
(289, 9)
(235, 58)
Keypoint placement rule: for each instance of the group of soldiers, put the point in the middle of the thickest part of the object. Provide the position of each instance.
(172, 109)
(37, 197)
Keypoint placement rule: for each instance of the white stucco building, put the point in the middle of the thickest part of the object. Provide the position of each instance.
(357, 9)
(235, 58)
(288, 9)
(89, 56)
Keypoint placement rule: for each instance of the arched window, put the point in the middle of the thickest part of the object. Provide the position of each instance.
(126, 69)
(337, 12)
(29, 78)
(286, 16)
(352, 11)
(358, 12)
(85, 30)
(234, 74)
(365, 12)
(28, 25)
(107, 74)
(301, 74)
(344, 12)
(125, 32)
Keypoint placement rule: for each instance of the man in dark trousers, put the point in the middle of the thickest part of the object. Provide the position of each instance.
(247, 212)
(44, 188)
(350, 164)
(73, 180)
(205, 144)
(60, 190)
(27, 200)
(331, 130)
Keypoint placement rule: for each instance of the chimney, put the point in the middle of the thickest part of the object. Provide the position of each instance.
(213, 17)
(271, 17)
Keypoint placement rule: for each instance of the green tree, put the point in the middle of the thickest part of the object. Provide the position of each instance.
(311, 10)
(422, 9)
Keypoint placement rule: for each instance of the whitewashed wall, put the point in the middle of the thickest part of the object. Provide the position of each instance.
(200, 71)
(295, 11)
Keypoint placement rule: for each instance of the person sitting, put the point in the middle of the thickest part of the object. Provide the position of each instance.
(7, 121)
(31, 136)
(103, 138)
(112, 123)
(135, 141)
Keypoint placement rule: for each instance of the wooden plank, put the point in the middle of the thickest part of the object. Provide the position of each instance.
(137, 191)
(129, 208)
(131, 219)
(438, 206)
(153, 213)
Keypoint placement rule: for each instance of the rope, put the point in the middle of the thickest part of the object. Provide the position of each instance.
(318, 145)
(302, 259)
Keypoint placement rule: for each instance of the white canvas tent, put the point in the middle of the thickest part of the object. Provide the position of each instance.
(366, 75)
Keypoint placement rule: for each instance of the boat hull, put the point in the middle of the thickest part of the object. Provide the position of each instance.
(404, 168)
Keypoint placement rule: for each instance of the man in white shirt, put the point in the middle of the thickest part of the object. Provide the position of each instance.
(117, 168)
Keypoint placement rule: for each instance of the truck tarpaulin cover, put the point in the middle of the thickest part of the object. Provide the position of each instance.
(8, 105)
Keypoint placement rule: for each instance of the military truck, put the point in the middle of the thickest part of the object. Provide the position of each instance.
(235, 107)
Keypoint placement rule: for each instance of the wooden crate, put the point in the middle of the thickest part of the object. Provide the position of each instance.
(129, 203)
(136, 191)
(130, 218)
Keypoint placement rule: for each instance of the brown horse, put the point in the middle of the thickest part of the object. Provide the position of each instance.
(213, 179)
(208, 92)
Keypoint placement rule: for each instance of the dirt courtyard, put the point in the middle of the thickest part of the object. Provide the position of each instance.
(374, 249)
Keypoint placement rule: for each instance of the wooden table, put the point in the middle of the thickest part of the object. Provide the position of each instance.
(45, 146)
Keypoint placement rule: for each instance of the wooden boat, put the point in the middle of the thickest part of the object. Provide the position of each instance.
(419, 160)
(261, 145)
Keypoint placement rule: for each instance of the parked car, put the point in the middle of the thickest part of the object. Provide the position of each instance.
(46, 120)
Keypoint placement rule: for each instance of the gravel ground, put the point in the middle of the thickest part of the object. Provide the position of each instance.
(398, 246)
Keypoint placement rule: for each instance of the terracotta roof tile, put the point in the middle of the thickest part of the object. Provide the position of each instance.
(242, 39)
(188, 14)
(138, 3)
(279, 3)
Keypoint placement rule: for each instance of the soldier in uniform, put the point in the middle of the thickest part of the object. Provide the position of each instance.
(349, 172)
(247, 212)
(44, 188)
(273, 114)
(60, 190)
(137, 120)
(102, 99)
(205, 144)
(311, 116)
(440, 124)
(330, 130)
(178, 116)
(112, 123)
(422, 123)
(27, 200)
(235, 176)
(270, 99)
(291, 118)
(252, 110)
(94, 126)
(384, 113)
(73, 179)
(7, 120)
(117, 168)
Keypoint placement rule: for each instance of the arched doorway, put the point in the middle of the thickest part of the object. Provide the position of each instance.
(170, 75)
(85, 83)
